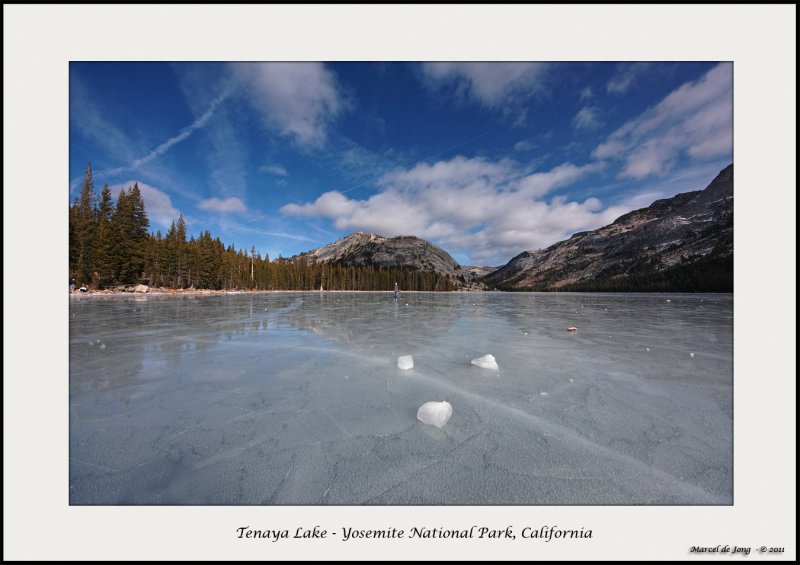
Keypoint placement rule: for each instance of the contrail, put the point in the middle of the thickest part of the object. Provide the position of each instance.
(184, 134)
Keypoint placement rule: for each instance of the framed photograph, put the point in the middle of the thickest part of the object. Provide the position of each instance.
(431, 302)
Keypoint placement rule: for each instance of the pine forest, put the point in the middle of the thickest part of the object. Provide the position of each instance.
(110, 247)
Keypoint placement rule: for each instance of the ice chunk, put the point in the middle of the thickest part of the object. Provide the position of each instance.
(572, 329)
(486, 362)
(691, 355)
(405, 362)
(103, 346)
(647, 348)
(435, 413)
(543, 394)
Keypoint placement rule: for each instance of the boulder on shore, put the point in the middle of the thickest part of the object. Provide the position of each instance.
(141, 288)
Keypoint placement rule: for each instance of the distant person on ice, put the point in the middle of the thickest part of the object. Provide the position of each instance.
(396, 291)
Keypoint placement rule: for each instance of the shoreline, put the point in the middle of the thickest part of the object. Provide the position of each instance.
(206, 292)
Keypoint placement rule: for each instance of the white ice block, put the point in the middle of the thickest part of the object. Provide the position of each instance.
(435, 413)
(486, 362)
(405, 362)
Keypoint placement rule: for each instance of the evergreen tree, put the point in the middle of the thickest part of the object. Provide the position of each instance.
(129, 227)
(103, 266)
(85, 223)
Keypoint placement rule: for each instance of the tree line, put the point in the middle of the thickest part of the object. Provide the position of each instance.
(110, 245)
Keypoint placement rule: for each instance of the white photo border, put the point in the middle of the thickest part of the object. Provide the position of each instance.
(41, 40)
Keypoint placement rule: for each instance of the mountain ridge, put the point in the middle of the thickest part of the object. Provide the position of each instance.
(405, 252)
(680, 243)
(683, 243)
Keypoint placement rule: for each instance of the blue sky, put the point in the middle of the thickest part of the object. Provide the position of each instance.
(485, 159)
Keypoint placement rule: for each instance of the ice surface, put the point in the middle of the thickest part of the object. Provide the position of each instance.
(435, 413)
(405, 362)
(209, 400)
(486, 362)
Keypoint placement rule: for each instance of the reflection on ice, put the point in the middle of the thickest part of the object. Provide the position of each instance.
(294, 398)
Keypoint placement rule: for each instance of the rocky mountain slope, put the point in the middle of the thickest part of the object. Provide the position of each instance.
(683, 243)
(401, 252)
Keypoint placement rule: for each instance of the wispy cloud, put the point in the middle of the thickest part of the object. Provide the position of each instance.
(226, 206)
(587, 118)
(499, 86)
(694, 120)
(184, 134)
(626, 76)
(298, 100)
(488, 210)
(277, 170)
(95, 124)
(586, 93)
(162, 148)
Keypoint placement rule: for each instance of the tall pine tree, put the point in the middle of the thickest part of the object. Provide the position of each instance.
(85, 223)
(103, 240)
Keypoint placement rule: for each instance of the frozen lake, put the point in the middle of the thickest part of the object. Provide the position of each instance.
(296, 398)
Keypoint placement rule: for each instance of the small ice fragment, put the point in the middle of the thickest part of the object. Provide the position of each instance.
(647, 348)
(435, 413)
(543, 394)
(405, 362)
(486, 362)
(526, 333)
(98, 341)
(572, 380)
(572, 329)
(265, 309)
(406, 303)
(103, 346)
(347, 376)
(691, 355)
(668, 300)
(91, 343)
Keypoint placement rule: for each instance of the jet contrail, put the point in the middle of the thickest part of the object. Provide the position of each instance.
(185, 133)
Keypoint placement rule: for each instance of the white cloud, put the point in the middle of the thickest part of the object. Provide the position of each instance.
(586, 93)
(277, 170)
(626, 75)
(225, 206)
(525, 145)
(299, 100)
(494, 85)
(696, 119)
(487, 210)
(587, 118)
(157, 203)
